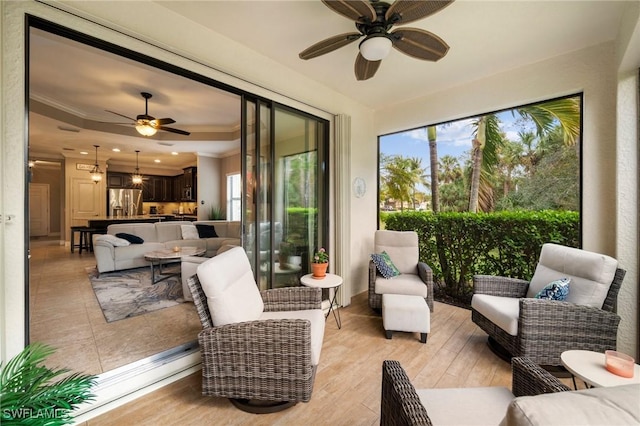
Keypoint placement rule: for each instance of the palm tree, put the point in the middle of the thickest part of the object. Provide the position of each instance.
(433, 160)
(449, 169)
(487, 139)
(398, 180)
(486, 142)
(418, 176)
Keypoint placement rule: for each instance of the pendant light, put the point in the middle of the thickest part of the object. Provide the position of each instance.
(96, 173)
(136, 177)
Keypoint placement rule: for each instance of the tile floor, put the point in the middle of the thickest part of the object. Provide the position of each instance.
(65, 314)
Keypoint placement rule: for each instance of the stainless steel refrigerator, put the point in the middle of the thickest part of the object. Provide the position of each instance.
(124, 202)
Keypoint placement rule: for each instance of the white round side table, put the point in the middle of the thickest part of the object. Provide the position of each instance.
(589, 367)
(330, 281)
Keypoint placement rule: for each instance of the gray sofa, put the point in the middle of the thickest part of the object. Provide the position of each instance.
(157, 236)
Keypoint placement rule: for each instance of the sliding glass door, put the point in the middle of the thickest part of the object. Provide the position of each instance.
(286, 191)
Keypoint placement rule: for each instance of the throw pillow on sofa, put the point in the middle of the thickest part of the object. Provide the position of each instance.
(113, 240)
(133, 239)
(206, 231)
(189, 232)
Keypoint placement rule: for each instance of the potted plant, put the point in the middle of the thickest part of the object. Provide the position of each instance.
(319, 263)
(29, 396)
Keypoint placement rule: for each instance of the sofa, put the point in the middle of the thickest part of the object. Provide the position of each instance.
(535, 398)
(114, 254)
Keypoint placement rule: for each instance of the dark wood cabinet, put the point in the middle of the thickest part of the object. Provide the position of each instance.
(159, 188)
(118, 180)
(191, 183)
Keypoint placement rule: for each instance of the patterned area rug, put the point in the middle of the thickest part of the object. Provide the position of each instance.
(129, 293)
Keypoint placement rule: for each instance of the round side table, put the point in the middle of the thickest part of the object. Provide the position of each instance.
(589, 367)
(330, 281)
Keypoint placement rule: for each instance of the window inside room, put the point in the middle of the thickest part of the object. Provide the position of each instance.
(234, 197)
(523, 158)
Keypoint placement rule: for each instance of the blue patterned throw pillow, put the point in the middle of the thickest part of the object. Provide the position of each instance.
(385, 265)
(555, 290)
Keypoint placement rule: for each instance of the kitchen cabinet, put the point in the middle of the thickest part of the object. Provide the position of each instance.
(118, 180)
(190, 182)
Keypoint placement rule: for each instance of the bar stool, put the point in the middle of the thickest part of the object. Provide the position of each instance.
(85, 241)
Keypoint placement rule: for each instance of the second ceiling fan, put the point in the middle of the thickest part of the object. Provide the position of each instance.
(148, 125)
(374, 20)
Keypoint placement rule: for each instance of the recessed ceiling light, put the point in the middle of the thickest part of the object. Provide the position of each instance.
(116, 150)
(84, 153)
(174, 153)
(156, 160)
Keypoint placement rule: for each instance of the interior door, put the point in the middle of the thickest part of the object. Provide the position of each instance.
(86, 200)
(39, 209)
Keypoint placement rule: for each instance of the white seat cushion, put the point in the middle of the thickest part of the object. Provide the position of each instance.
(502, 311)
(591, 273)
(408, 284)
(466, 406)
(617, 405)
(228, 283)
(315, 316)
(405, 313)
(402, 248)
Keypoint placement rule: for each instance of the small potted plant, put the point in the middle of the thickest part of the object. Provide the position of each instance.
(319, 263)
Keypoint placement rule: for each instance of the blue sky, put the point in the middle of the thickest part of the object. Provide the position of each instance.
(453, 139)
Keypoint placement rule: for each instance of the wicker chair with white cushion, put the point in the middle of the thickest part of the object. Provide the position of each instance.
(259, 349)
(415, 278)
(520, 324)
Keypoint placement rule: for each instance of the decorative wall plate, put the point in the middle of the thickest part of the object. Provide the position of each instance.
(359, 187)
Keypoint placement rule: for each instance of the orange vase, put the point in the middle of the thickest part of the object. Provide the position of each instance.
(319, 270)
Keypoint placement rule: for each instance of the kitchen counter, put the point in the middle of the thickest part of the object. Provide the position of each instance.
(101, 222)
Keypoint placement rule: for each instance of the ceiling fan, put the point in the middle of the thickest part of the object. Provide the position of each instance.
(147, 125)
(373, 20)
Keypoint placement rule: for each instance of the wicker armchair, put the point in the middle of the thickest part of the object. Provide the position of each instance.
(402, 405)
(262, 365)
(416, 278)
(541, 330)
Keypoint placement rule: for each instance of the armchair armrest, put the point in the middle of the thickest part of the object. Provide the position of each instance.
(292, 299)
(530, 379)
(564, 326)
(400, 403)
(236, 358)
(426, 275)
(500, 286)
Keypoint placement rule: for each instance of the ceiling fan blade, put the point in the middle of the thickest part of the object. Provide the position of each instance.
(365, 69)
(329, 45)
(405, 11)
(163, 121)
(357, 10)
(121, 115)
(172, 130)
(419, 44)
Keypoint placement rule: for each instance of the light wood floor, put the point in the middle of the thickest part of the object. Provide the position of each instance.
(348, 380)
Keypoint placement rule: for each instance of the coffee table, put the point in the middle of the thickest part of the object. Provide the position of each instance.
(330, 281)
(160, 258)
(589, 367)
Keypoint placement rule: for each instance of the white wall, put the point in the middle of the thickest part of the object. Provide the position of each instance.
(210, 181)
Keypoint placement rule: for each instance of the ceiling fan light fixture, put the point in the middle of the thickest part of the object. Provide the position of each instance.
(96, 173)
(375, 47)
(145, 129)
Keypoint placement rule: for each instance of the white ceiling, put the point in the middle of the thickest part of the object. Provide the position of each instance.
(485, 38)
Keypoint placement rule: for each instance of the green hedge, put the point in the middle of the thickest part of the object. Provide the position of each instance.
(460, 245)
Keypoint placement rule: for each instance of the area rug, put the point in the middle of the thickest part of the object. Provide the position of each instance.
(129, 293)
